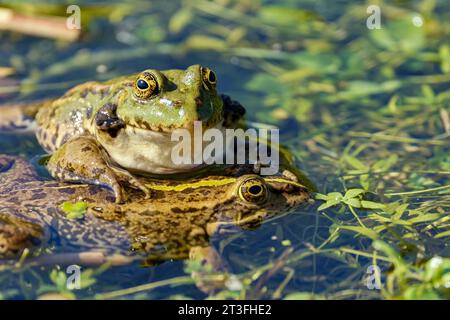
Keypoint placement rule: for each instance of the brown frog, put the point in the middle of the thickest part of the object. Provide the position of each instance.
(177, 221)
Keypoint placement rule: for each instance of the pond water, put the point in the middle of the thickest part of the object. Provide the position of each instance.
(361, 109)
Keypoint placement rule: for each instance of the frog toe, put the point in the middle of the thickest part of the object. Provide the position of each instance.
(148, 193)
(139, 186)
(132, 181)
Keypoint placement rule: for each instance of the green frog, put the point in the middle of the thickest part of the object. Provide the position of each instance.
(175, 224)
(107, 133)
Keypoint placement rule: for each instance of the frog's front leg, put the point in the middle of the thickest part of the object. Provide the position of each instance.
(83, 160)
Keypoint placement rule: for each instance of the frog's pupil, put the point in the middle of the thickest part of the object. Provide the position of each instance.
(254, 190)
(142, 84)
(212, 77)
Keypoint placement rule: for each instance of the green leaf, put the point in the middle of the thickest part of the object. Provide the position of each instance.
(361, 230)
(286, 243)
(202, 42)
(444, 54)
(328, 204)
(59, 278)
(355, 163)
(356, 203)
(320, 196)
(420, 292)
(87, 282)
(286, 16)
(322, 63)
(425, 218)
(358, 88)
(335, 196)
(364, 181)
(180, 20)
(400, 210)
(391, 253)
(385, 164)
(399, 35)
(435, 268)
(443, 234)
(303, 296)
(75, 210)
(264, 83)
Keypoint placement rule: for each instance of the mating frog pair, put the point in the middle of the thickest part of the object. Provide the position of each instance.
(102, 134)
(105, 133)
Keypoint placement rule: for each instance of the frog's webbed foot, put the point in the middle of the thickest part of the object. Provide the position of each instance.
(233, 111)
(82, 160)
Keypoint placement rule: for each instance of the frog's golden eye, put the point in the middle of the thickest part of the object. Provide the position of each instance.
(253, 190)
(209, 77)
(145, 86)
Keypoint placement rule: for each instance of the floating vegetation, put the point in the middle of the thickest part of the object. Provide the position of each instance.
(74, 210)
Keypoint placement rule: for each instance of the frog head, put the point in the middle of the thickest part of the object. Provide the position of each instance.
(259, 198)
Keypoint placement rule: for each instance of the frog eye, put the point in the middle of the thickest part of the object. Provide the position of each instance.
(253, 190)
(145, 86)
(209, 77)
